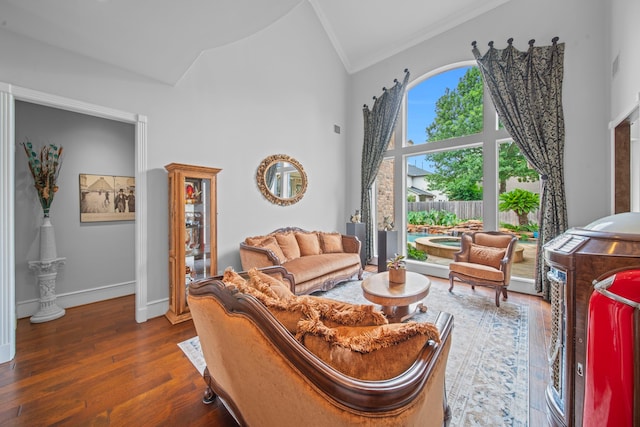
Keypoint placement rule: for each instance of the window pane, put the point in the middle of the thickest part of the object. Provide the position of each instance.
(444, 199)
(519, 200)
(445, 106)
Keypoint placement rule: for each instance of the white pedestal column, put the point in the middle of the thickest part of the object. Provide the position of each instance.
(47, 270)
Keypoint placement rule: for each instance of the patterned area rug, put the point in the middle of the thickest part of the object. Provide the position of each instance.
(487, 377)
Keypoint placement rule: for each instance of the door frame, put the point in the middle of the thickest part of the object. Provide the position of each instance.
(8, 95)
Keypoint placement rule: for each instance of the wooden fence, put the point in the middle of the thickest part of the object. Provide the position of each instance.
(467, 210)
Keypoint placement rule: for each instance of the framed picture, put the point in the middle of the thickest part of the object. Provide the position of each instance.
(107, 198)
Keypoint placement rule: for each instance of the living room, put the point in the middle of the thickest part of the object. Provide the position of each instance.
(282, 91)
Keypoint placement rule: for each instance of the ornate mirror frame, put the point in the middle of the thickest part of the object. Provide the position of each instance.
(261, 179)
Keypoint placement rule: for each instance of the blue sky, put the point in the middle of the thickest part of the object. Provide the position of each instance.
(421, 102)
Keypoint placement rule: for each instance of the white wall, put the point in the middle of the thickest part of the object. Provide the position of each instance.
(585, 93)
(625, 43)
(279, 91)
(97, 254)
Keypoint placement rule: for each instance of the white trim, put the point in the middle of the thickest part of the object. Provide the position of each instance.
(77, 298)
(157, 308)
(8, 94)
(517, 284)
(628, 112)
(7, 230)
(141, 220)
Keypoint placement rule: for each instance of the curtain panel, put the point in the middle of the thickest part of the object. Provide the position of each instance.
(526, 88)
(379, 123)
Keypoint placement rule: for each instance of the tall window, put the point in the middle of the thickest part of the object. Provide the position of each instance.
(457, 163)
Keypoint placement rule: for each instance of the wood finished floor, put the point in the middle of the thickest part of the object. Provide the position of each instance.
(97, 367)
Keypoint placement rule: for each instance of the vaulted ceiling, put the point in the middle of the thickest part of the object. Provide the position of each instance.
(161, 39)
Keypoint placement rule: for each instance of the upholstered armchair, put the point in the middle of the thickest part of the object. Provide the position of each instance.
(484, 259)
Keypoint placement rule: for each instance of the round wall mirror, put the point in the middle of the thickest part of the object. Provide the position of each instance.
(281, 179)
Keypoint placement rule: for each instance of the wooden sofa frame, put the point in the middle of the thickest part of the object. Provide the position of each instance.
(328, 388)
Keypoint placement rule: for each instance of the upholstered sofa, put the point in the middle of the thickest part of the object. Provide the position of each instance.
(274, 358)
(314, 260)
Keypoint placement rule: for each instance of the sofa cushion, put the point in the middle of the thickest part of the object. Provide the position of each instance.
(486, 255)
(308, 243)
(310, 267)
(267, 242)
(289, 245)
(331, 242)
(269, 285)
(367, 352)
(480, 271)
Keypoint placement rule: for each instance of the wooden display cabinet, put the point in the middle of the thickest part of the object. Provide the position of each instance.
(192, 232)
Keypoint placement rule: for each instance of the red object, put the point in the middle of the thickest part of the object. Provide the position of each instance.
(189, 191)
(610, 380)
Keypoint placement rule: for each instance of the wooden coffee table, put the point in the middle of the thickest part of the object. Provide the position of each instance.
(396, 299)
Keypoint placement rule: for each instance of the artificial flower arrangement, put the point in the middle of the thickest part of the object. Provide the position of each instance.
(44, 167)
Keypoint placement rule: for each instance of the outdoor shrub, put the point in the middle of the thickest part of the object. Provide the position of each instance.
(432, 217)
(414, 253)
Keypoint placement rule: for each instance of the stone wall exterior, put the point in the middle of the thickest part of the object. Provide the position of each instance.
(384, 193)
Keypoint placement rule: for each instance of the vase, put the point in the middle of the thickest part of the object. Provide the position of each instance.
(397, 275)
(47, 241)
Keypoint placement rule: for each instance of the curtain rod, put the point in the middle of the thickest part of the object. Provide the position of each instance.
(384, 88)
(510, 42)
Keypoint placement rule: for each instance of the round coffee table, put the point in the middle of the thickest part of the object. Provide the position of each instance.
(395, 299)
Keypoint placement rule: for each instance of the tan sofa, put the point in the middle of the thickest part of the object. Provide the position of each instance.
(275, 358)
(314, 260)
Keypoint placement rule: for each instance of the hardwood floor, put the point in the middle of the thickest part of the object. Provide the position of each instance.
(96, 367)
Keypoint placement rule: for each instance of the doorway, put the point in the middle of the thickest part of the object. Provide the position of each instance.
(8, 95)
(626, 152)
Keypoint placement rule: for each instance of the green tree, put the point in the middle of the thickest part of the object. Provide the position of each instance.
(522, 202)
(458, 173)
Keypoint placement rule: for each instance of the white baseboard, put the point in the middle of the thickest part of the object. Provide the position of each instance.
(73, 299)
(157, 308)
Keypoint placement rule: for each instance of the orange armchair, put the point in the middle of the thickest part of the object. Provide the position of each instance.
(484, 259)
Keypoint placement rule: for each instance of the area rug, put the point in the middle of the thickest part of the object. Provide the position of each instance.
(487, 377)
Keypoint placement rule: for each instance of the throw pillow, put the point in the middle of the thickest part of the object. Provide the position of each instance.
(486, 255)
(230, 277)
(269, 285)
(370, 353)
(338, 313)
(267, 242)
(309, 243)
(331, 242)
(289, 245)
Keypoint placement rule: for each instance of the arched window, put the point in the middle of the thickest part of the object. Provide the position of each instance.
(446, 168)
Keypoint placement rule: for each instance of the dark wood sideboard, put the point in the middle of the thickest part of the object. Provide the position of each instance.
(577, 259)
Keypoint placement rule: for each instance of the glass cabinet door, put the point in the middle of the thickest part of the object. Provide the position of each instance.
(197, 215)
(192, 234)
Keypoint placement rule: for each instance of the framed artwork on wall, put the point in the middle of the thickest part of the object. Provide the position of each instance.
(107, 198)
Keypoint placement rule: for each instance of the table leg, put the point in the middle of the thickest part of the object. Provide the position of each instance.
(398, 314)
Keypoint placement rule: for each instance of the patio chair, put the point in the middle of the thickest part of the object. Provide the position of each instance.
(484, 259)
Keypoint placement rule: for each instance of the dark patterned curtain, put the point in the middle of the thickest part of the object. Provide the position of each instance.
(379, 123)
(526, 88)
